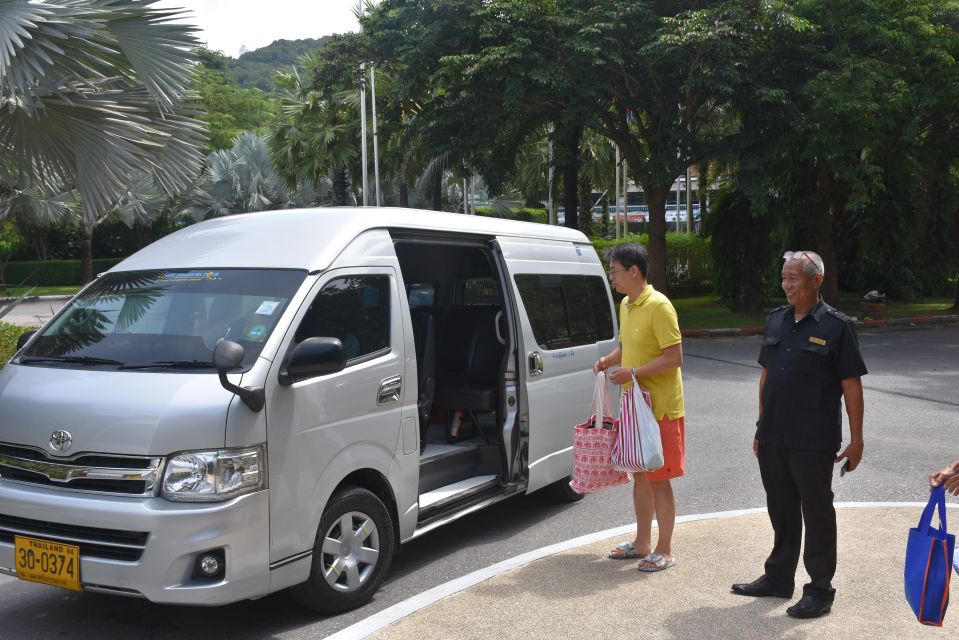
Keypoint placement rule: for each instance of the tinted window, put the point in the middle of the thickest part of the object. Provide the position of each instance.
(480, 291)
(165, 320)
(421, 295)
(566, 310)
(355, 309)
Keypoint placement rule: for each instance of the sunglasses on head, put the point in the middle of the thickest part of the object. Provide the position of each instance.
(799, 255)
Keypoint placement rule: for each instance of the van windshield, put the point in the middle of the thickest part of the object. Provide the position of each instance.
(165, 320)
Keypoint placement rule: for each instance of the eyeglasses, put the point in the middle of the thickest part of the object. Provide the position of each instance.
(798, 255)
(613, 272)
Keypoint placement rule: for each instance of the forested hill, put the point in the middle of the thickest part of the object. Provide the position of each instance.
(256, 68)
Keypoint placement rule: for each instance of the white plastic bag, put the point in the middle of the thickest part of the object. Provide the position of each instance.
(640, 445)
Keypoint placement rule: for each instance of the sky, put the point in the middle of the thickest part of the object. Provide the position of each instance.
(227, 25)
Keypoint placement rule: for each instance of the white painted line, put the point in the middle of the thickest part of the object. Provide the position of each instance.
(400, 610)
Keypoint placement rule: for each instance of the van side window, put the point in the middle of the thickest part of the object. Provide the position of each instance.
(566, 310)
(355, 309)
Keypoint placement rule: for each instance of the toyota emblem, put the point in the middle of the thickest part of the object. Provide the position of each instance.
(60, 440)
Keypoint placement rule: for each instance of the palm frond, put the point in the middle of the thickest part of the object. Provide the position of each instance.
(92, 92)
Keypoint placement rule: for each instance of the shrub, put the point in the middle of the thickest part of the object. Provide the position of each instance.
(8, 340)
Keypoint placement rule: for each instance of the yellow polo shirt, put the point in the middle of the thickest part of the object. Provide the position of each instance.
(646, 327)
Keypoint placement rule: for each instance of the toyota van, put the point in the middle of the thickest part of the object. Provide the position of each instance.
(280, 399)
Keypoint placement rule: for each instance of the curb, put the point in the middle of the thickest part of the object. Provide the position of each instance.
(862, 324)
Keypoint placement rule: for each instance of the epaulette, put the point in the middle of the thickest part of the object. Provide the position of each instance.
(839, 314)
(779, 308)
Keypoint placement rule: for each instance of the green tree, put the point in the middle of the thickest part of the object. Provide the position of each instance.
(92, 92)
(229, 109)
(845, 136)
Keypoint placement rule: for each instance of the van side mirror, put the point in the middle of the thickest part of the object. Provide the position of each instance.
(24, 338)
(311, 358)
(228, 355)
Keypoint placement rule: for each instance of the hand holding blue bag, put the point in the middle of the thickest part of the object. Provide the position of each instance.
(929, 554)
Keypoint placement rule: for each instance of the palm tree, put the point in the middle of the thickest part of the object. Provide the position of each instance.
(316, 136)
(239, 180)
(93, 92)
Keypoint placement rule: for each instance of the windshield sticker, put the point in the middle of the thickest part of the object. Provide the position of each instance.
(256, 332)
(190, 275)
(267, 307)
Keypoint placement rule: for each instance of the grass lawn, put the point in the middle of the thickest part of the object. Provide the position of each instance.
(708, 312)
(16, 292)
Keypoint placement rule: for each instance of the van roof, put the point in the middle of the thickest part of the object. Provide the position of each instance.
(310, 238)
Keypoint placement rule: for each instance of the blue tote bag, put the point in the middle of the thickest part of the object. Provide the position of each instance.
(929, 563)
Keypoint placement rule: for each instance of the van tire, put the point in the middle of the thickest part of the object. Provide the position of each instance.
(562, 492)
(356, 584)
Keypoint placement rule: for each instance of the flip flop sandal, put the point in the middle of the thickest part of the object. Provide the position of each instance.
(628, 552)
(659, 563)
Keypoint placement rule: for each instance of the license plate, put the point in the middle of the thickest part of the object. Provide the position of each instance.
(47, 562)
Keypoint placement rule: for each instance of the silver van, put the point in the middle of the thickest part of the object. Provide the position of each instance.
(280, 399)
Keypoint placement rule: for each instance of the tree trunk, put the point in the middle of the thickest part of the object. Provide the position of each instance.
(586, 199)
(340, 188)
(144, 234)
(86, 252)
(571, 178)
(823, 233)
(404, 194)
(656, 199)
(436, 191)
(955, 236)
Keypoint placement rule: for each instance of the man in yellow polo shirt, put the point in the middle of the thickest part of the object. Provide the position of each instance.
(651, 345)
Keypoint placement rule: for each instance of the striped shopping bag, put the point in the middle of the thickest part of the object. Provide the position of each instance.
(640, 445)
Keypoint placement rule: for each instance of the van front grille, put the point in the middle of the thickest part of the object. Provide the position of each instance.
(98, 473)
(111, 544)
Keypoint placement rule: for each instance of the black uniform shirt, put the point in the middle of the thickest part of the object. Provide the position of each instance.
(805, 363)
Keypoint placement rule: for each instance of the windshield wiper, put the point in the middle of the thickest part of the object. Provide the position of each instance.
(68, 360)
(171, 364)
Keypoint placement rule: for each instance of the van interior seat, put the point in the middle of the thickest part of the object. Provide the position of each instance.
(424, 337)
(470, 356)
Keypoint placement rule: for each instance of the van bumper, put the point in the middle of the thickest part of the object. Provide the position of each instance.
(176, 534)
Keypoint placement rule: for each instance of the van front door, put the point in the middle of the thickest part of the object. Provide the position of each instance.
(323, 428)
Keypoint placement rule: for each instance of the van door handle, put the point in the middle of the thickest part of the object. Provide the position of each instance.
(535, 363)
(390, 389)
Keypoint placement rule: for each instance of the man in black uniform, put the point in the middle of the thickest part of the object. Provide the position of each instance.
(811, 361)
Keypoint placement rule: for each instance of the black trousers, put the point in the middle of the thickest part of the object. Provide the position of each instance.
(799, 489)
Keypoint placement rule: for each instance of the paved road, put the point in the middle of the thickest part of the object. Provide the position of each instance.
(34, 312)
(911, 428)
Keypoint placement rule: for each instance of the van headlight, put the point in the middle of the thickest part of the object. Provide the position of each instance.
(214, 476)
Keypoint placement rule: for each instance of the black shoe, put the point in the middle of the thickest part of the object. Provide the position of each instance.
(761, 588)
(809, 607)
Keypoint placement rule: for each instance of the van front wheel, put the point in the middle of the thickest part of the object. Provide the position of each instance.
(351, 555)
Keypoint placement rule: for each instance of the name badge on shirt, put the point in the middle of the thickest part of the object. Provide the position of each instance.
(819, 341)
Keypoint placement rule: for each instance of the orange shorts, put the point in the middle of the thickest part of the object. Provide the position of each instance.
(673, 434)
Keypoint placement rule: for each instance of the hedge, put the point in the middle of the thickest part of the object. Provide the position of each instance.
(523, 215)
(52, 273)
(688, 258)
